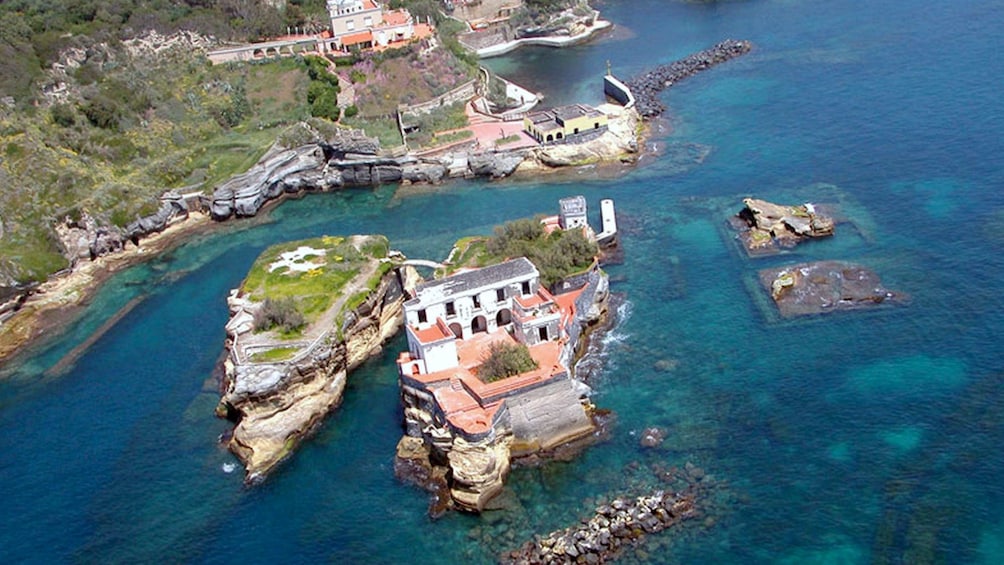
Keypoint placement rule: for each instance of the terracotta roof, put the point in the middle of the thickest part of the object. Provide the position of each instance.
(436, 332)
(396, 18)
(541, 297)
(357, 38)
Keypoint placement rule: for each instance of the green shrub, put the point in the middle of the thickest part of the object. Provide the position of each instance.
(281, 313)
(556, 255)
(63, 115)
(352, 111)
(503, 360)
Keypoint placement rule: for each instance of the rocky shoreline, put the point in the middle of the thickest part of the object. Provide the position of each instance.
(646, 87)
(349, 159)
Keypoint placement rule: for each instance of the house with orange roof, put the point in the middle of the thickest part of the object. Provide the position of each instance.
(451, 323)
(365, 23)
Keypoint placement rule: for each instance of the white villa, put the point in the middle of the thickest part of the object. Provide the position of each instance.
(477, 301)
(365, 23)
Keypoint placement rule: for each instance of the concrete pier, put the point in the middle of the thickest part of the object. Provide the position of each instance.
(609, 221)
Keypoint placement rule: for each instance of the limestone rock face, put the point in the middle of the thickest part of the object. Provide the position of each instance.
(494, 165)
(277, 405)
(479, 471)
(86, 238)
(547, 417)
(244, 194)
(172, 206)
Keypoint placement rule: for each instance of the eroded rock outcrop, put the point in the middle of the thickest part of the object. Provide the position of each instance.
(765, 227)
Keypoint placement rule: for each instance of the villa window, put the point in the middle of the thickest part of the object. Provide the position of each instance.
(450, 310)
(526, 288)
(422, 318)
(477, 300)
(500, 294)
(350, 25)
(596, 125)
(542, 332)
(368, 21)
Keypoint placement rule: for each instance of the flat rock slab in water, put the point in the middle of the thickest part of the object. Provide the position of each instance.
(825, 286)
(765, 228)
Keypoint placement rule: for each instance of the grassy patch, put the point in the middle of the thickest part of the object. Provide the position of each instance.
(384, 129)
(274, 355)
(506, 139)
(442, 119)
(311, 278)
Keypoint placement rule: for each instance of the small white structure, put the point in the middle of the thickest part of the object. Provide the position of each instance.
(572, 212)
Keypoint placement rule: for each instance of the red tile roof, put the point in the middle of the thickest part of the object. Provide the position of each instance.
(357, 38)
(396, 17)
(436, 332)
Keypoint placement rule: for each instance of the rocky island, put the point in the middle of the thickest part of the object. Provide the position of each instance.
(307, 314)
(488, 376)
(766, 228)
(825, 286)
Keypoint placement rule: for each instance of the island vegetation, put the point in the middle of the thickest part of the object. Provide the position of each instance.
(296, 283)
(503, 359)
(557, 255)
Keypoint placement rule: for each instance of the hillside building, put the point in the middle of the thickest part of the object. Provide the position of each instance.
(365, 23)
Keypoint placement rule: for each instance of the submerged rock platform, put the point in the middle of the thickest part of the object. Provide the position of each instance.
(825, 286)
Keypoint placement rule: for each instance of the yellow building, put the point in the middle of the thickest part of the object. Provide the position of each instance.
(558, 124)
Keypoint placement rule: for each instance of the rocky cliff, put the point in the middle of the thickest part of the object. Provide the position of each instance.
(277, 405)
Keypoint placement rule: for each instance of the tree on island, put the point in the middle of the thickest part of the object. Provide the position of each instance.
(503, 360)
(280, 313)
(556, 255)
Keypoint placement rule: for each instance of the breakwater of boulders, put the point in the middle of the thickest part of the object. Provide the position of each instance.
(646, 87)
(614, 527)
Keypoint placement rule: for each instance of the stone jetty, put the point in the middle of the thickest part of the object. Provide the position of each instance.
(646, 88)
(612, 528)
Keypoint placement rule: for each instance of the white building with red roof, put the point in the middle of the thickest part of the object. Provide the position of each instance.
(365, 23)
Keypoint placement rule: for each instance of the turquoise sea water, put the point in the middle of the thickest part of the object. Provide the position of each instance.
(857, 437)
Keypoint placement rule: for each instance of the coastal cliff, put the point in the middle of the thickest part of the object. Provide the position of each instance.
(278, 387)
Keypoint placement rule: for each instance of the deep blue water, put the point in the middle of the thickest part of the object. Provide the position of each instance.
(856, 437)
